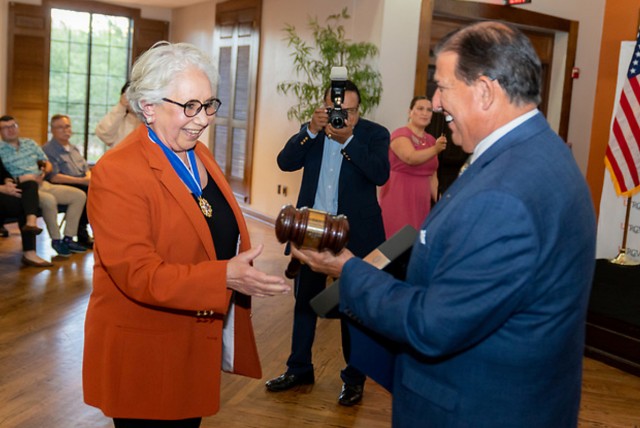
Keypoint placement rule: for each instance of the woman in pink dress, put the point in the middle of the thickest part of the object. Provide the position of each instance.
(413, 183)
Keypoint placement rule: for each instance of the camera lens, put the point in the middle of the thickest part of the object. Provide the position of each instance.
(337, 118)
(337, 122)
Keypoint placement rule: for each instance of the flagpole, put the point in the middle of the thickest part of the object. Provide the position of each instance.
(632, 75)
(621, 258)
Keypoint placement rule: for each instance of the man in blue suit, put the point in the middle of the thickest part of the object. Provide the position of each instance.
(342, 168)
(490, 321)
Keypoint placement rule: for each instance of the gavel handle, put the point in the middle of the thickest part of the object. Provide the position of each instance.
(293, 268)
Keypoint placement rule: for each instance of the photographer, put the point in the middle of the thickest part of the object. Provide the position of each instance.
(342, 168)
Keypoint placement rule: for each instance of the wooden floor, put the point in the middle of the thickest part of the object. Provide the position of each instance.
(41, 333)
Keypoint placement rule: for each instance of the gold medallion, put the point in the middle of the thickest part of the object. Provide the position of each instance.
(205, 206)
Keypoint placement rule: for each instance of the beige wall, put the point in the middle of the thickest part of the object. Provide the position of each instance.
(390, 24)
(194, 24)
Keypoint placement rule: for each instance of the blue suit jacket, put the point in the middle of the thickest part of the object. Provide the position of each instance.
(490, 321)
(365, 165)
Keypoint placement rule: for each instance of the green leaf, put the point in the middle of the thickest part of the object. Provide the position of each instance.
(312, 62)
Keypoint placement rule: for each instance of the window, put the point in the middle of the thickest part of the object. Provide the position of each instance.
(89, 63)
(29, 60)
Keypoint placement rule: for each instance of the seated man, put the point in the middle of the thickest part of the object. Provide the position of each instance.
(25, 161)
(69, 167)
(21, 201)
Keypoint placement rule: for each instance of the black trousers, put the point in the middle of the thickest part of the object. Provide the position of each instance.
(83, 233)
(306, 286)
(152, 423)
(11, 206)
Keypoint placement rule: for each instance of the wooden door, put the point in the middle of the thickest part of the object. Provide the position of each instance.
(237, 39)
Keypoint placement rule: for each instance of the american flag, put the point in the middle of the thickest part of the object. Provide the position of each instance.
(623, 152)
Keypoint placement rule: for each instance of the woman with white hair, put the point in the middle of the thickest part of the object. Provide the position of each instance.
(173, 261)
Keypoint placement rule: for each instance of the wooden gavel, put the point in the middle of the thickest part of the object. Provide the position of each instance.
(309, 228)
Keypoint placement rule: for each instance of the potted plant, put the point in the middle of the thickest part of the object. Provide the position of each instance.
(313, 63)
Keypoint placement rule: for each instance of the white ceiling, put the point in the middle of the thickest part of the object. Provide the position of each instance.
(169, 4)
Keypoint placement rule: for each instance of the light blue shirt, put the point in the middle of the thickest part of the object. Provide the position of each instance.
(327, 193)
(24, 159)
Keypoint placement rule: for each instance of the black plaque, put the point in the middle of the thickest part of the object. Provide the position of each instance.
(391, 256)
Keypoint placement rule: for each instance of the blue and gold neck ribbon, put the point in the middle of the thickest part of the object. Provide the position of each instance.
(190, 178)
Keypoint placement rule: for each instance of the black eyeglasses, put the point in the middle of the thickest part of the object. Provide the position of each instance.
(193, 107)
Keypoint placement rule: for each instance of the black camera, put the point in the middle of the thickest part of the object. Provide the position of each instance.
(337, 115)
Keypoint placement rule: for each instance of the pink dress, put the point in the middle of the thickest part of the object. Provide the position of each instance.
(406, 197)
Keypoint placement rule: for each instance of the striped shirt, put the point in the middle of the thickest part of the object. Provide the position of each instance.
(22, 160)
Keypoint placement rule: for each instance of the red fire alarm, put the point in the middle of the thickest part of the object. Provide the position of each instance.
(575, 73)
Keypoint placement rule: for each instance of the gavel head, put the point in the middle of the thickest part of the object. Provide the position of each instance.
(309, 228)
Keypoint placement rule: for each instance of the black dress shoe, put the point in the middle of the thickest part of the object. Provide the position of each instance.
(350, 394)
(288, 380)
(86, 242)
(27, 262)
(31, 229)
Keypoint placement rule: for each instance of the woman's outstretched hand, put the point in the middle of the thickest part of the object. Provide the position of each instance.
(243, 277)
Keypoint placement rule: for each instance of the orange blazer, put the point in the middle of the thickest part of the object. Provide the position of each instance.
(147, 353)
